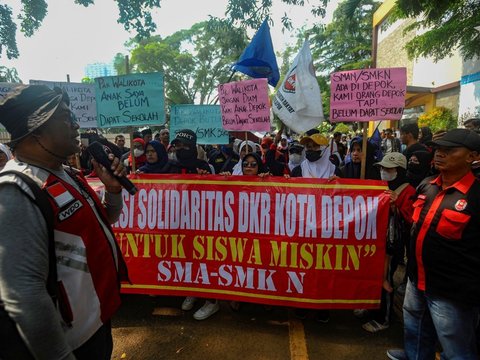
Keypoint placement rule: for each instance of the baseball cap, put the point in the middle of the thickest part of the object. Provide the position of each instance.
(316, 138)
(185, 136)
(458, 138)
(393, 160)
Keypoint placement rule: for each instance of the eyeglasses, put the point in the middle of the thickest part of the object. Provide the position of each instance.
(249, 164)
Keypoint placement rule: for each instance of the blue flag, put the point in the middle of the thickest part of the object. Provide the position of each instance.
(258, 59)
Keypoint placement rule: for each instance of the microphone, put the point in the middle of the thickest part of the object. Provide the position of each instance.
(100, 152)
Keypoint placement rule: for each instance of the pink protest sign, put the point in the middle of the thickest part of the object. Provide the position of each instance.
(368, 94)
(245, 105)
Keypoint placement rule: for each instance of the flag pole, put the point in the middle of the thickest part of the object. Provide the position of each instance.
(364, 150)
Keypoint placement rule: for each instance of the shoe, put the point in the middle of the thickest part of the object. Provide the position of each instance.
(360, 313)
(188, 303)
(396, 354)
(322, 316)
(207, 310)
(374, 326)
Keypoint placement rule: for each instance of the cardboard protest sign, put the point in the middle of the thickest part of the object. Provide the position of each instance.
(130, 100)
(82, 100)
(204, 120)
(289, 242)
(245, 105)
(368, 94)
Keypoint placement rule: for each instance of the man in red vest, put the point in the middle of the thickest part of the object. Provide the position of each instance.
(60, 264)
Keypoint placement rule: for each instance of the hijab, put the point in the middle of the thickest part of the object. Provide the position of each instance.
(261, 166)
(139, 160)
(156, 168)
(320, 169)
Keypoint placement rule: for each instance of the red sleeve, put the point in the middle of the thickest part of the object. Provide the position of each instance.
(404, 203)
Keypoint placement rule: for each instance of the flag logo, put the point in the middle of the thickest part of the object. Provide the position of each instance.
(289, 83)
(60, 194)
(460, 205)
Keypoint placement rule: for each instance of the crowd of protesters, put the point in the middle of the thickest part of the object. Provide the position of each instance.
(440, 248)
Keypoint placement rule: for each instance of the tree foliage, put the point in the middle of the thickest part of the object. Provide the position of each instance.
(135, 15)
(9, 75)
(193, 61)
(438, 118)
(444, 26)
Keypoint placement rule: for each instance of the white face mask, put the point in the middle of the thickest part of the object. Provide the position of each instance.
(388, 176)
(295, 158)
(137, 152)
(172, 156)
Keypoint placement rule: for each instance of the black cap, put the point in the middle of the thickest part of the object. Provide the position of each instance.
(29, 107)
(458, 138)
(185, 136)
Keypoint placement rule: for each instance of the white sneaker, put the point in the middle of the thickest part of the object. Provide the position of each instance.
(188, 303)
(207, 310)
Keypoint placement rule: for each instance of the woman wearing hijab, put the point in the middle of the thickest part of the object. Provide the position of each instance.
(5, 155)
(351, 170)
(419, 167)
(317, 162)
(246, 147)
(138, 153)
(156, 158)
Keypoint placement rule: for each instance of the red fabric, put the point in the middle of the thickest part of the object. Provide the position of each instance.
(405, 202)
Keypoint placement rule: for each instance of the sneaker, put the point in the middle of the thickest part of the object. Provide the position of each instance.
(374, 326)
(360, 313)
(322, 316)
(207, 310)
(396, 354)
(188, 303)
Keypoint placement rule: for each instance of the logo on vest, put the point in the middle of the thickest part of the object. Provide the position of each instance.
(460, 205)
(60, 194)
(65, 214)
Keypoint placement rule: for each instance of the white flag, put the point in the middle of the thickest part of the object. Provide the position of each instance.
(298, 102)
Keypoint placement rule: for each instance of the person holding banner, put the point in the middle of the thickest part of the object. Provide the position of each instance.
(246, 147)
(157, 159)
(317, 162)
(60, 264)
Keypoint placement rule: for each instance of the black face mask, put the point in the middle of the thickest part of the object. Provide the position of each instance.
(184, 154)
(313, 155)
(415, 168)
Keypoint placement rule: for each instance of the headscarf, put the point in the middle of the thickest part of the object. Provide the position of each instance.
(237, 169)
(139, 160)
(156, 168)
(258, 159)
(352, 170)
(320, 169)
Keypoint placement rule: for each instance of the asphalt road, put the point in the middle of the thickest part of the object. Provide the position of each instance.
(155, 328)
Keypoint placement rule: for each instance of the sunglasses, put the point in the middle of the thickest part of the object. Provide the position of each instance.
(249, 164)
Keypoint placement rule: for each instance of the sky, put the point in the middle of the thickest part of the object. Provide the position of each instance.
(72, 36)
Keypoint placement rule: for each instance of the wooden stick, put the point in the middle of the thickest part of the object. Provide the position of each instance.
(364, 150)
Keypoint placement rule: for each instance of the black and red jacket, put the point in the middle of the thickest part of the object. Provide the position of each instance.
(445, 246)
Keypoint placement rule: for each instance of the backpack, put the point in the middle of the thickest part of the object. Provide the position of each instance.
(12, 345)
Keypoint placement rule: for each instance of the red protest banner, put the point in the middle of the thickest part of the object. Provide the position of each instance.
(296, 242)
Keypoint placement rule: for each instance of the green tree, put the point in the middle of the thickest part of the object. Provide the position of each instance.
(9, 75)
(450, 24)
(135, 15)
(193, 61)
